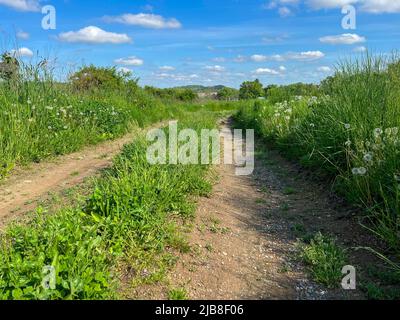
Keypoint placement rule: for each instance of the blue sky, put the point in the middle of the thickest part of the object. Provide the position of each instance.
(209, 42)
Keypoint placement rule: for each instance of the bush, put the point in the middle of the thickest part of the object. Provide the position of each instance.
(251, 90)
(92, 78)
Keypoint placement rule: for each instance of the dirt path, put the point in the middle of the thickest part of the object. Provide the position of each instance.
(245, 236)
(21, 191)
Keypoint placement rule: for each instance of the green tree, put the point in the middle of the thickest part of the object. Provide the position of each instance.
(251, 90)
(227, 94)
(92, 77)
(9, 67)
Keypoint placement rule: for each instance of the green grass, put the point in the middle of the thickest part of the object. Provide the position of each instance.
(178, 294)
(349, 134)
(130, 219)
(325, 260)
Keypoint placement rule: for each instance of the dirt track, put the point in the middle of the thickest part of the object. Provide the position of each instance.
(24, 188)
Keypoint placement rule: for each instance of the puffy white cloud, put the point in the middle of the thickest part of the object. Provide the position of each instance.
(282, 68)
(22, 52)
(305, 56)
(346, 38)
(258, 58)
(94, 35)
(22, 5)
(146, 20)
(266, 71)
(130, 61)
(167, 68)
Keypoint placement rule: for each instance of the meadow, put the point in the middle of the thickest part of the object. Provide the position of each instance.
(346, 129)
(348, 133)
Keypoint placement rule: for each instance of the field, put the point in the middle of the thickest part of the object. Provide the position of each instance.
(130, 225)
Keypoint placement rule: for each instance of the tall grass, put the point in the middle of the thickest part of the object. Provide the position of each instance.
(40, 117)
(350, 134)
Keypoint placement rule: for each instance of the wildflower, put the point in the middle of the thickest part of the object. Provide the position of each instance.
(347, 126)
(368, 157)
(378, 132)
(49, 127)
(312, 125)
(287, 118)
(359, 171)
(348, 143)
(29, 101)
(65, 127)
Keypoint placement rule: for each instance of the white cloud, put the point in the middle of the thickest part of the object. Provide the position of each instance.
(167, 68)
(325, 69)
(305, 56)
(329, 4)
(124, 70)
(219, 59)
(258, 58)
(381, 6)
(360, 49)
(130, 61)
(215, 68)
(371, 6)
(240, 59)
(266, 71)
(146, 20)
(22, 52)
(94, 35)
(22, 5)
(23, 35)
(346, 38)
(177, 77)
(284, 12)
(282, 68)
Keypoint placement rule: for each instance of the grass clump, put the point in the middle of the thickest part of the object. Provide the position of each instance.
(325, 260)
(178, 294)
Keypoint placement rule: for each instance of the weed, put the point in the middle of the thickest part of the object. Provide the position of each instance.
(325, 260)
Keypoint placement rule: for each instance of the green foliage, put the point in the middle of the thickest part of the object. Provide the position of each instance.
(9, 67)
(227, 94)
(251, 90)
(277, 94)
(351, 136)
(128, 218)
(172, 94)
(325, 260)
(97, 78)
(178, 294)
